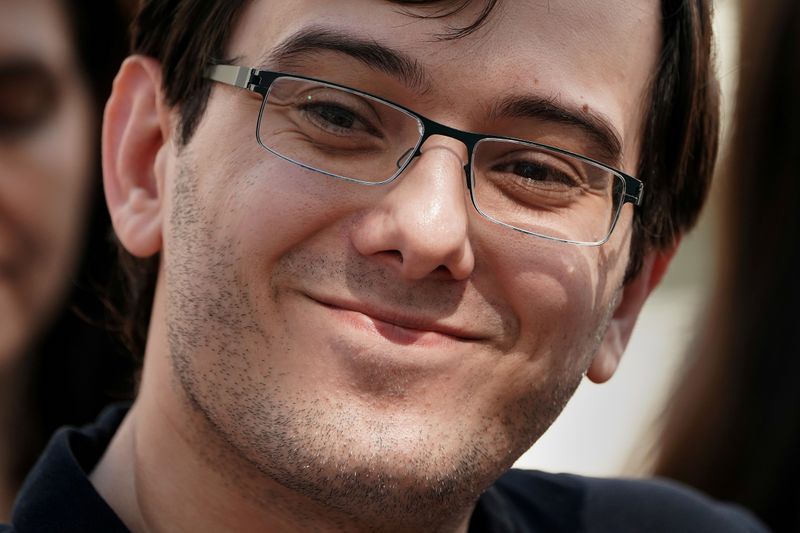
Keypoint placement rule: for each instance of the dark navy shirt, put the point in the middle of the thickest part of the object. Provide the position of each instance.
(58, 497)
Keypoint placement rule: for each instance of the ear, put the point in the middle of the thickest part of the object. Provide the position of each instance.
(634, 294)
(136, 131)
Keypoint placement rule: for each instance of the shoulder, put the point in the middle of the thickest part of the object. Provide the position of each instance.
(58, 495)
(620, 505)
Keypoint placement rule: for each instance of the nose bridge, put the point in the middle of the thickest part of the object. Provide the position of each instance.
(463, 139)
(434, 182)
(431, 199)
(446, 142)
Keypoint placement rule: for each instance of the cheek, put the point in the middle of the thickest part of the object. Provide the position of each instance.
(559, 296)
(45, 185)
(572, 292)
(267, 205)
(556, 292)
(255, 192)
(51, 174)
(67, 178)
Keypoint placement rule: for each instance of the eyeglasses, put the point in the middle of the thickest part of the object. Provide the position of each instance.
(347, 134)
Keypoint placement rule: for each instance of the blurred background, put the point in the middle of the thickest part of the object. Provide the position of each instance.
(59, 363)
(610, 429)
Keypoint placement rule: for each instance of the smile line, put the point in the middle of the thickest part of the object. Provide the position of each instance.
(410, 323)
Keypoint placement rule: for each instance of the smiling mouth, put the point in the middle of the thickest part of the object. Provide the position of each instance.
(395, 327)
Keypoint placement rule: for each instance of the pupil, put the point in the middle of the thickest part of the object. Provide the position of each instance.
(528, 171)
(338, 117)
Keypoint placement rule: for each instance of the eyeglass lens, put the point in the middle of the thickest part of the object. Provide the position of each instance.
(354, 136)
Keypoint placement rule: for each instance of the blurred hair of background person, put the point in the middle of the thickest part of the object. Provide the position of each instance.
(57, 364)
(733, 430)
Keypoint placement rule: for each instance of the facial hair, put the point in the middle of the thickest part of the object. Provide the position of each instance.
(380, 476)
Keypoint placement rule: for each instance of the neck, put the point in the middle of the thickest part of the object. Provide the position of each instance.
(167, 467)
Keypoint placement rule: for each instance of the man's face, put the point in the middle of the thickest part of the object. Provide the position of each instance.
(387, 343)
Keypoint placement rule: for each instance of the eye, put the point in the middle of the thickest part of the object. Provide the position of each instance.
(539, 173)
(543, 173)
(334, 117)
(27, 98)
(339, 112)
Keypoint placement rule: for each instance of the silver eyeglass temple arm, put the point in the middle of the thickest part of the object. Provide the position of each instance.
(232, 75)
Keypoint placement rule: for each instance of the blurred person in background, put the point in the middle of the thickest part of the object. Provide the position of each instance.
(733, 430)
(57, 364)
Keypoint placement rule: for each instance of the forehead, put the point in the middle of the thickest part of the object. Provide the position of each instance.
(34, 29)
(597, 55)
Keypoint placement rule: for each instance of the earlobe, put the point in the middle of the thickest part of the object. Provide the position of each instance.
(136, 130)
(631, 301)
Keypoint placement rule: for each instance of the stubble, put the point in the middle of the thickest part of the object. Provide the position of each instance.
(378, 477)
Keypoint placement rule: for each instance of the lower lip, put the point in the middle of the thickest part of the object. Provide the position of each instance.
(392, 332)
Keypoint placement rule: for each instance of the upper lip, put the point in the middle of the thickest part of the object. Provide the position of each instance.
(404, 320)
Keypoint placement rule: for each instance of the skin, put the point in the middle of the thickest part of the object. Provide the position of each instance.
(45, 172)
(281, 390)
(46, 164)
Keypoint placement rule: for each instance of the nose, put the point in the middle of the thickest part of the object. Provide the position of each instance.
(420, 226)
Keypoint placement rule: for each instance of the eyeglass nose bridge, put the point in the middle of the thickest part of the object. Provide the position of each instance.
(431, 128)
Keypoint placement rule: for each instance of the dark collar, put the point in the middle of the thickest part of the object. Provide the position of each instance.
(57, 495)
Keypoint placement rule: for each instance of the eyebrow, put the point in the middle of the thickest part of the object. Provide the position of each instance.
(597, 127)
(314, 39)
(375, 55)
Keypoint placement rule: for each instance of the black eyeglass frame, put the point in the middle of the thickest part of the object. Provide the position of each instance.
(260, 81)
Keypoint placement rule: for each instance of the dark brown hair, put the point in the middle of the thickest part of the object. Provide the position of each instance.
(733, 429)
(679, 133)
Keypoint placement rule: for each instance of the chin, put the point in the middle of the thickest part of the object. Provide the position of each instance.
(391, 482)
(369, 463)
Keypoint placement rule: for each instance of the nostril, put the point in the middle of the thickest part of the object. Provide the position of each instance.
(442, 270)
(392, 256)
